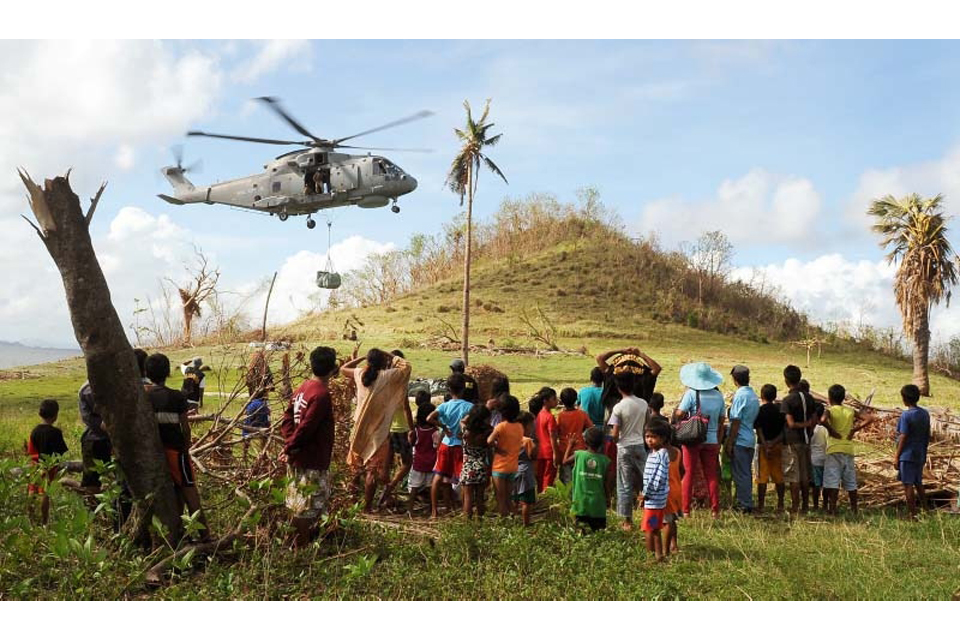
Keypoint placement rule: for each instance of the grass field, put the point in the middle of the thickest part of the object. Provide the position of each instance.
(737, 557)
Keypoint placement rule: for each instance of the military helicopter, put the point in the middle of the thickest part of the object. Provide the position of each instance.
(305, 180)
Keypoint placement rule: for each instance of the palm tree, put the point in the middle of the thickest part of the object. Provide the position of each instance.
(462, 180)
(915, 231)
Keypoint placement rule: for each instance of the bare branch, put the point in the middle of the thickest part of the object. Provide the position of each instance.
(94, 201)
(35, 227)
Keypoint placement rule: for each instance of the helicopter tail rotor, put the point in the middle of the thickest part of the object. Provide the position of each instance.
(194, 167)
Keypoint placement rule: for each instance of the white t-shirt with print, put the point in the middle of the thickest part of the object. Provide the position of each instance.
(630, 414)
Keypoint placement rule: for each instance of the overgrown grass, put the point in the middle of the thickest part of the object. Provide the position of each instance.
(737, 557)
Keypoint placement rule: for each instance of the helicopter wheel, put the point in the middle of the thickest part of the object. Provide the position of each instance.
(311, 223)
(395, 209)
(283, 217)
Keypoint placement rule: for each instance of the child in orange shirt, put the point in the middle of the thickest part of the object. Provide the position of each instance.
(674, 510)
(506, 440)
(571, 423)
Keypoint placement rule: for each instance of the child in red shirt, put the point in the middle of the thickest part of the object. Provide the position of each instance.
(424, 439)
(541, 405)
(571, 423)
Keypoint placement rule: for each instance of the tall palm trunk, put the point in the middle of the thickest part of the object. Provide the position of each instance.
(465, 337)
(921, 353)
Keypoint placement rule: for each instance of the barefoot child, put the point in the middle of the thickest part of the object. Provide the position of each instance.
(46, 441)
(446, 472)
(591, 471)
(656, 487)
(507, 441)
(424, 453)
(839, 468)
(542, 406)
(674, 510)
(525, 482)
(914, 438)
(475, 475)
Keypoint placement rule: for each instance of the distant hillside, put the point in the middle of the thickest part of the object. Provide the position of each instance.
(14, 354)
(545, 271)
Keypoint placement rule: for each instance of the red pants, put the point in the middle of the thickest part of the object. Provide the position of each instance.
(706, 456)
(610, 450)
(546, 472)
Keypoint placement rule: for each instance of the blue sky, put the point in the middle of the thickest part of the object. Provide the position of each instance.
(779, 144)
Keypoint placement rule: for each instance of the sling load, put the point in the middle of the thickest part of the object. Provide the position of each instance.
(328, 278)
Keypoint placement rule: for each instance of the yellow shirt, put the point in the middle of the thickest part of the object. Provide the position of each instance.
(841, 419)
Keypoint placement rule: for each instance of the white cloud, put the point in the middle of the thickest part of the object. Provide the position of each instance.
(832, 289)
(139, 250)
(88, 104)
(126, 157)
(296, 292)
(926, 178)
(784, 206)
(270, 56)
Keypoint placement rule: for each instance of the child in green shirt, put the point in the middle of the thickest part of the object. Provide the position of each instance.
(592, 473)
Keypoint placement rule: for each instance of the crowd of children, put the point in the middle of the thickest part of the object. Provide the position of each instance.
(605, 442)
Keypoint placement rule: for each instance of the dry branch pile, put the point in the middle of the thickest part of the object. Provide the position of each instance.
(484, 375)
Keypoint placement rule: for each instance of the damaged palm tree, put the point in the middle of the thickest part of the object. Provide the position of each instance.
(111, 365)
(203, 284)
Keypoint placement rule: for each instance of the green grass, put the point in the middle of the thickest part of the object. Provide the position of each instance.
(737, 557)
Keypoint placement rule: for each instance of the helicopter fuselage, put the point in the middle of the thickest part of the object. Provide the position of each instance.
(300, 183)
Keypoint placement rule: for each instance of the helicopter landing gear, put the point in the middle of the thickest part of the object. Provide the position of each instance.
(283, 217)
(395, 208)
(311, 223)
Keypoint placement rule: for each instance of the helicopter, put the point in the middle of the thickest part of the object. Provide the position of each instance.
(305, 180)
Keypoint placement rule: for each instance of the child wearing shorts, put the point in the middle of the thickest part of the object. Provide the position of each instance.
(475, 475)
(656, 486)
(46, 442)
(839, 469)
(913, 431)
(591, 477)
(424, 441)
(525, 480)
(507, 441)
(818, 457)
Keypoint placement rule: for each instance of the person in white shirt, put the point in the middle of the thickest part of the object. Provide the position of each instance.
(628, 418)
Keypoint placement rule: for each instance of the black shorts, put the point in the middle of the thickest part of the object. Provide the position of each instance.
(93, 450)
(400, 446)
(595, 524)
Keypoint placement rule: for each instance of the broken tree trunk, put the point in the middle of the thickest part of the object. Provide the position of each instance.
(111, 365)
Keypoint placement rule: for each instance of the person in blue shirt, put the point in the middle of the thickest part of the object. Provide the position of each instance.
(589, 398)
(702, 383)
(446, 472)
(913, 440)
(741, 440)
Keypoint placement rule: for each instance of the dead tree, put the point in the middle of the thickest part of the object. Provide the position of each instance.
(202, 285)
(111, 365)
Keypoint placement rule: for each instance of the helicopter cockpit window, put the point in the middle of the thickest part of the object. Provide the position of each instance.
(391, 170)
(379, 167)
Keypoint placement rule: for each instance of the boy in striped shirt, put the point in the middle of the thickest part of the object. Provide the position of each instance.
(656, 486)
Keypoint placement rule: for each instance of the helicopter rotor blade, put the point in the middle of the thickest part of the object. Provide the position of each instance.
(274, 103)
(195, 167)
(177, 151)
(417, 116)
(348, 146)
(248, 139)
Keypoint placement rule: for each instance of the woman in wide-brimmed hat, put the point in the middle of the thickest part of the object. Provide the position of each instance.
(702, 381)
